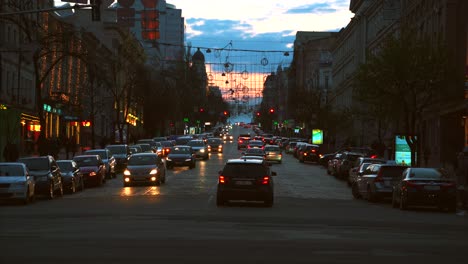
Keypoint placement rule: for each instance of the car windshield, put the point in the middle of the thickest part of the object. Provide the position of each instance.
(11, 170)
(256, 143)
(101, 153)
(180, 150)
(142, 160)
(145, 147)
(86, 161)
(392, 171)
(244, 170)
(117, 149)
(196, 143)
(272, 148)
(36, 164)
(65, 166)
(214, 141)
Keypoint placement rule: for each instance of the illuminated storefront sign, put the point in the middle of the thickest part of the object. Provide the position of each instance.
(317, 136)
(402, 151)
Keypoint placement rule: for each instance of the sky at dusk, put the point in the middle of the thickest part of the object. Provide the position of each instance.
(248, 39)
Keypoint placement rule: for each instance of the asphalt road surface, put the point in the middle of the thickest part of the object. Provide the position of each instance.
(314, 220)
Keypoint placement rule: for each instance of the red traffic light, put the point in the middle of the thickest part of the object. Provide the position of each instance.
(258, 113)
(225, 112)
(272, 110)
(202, 110)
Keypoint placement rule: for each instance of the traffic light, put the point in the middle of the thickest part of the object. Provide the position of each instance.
(258, 113)
(225, 113)
(201, 110)
(272, 110)
(96, 10)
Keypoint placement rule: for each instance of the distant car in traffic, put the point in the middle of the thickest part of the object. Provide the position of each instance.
(107, 158)
(273, 153)
(121, 152)
(214, 145)
(200, 150)
(180, 156)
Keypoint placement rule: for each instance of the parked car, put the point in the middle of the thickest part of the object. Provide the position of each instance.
(16, 183)
(354, 176)
(273, 153)
(358, 169)
(121, 152)
(245, 179)
(344, 164)
(214, 145)
(325, 158)
(92, 168)
(180, 156)
(290, 147)
(333, 163)
(199, 148)
(71, 176)
(377, 180)
(145, 168)
(425, 187)
(46, 174)
(107, 158)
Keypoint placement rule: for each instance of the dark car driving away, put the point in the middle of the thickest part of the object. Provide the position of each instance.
(180, 156)
(247, 180)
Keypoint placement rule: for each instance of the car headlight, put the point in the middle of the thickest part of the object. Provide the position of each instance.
(127, 173)
(202, 150)
(220, 146)
(93, 173)
(188, 160)
(153, 171)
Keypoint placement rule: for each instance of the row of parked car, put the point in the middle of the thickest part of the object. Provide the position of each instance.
(376, 179)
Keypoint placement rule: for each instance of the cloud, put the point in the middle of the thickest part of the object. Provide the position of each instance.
(317, 8)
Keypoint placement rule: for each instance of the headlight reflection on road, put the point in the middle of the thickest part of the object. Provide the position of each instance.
(152, 191)
(126, 191)
(140, 191)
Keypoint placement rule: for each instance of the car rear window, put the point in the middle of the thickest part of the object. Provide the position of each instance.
(427, 173)
(272, 148)
(11, 170)
(244, 170)
(86, 161)
(392, 171)
(36, 164)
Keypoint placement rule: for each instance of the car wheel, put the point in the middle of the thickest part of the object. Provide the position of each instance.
(403, 202)
(51, 193)
(73, 186)
(394, 202)
(60, 191)
(370, 195)
(355, 191)
(82, 184)
(269, 202)
(27, 200)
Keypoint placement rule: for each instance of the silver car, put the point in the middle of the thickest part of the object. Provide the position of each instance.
(273, 153)
(15, 182)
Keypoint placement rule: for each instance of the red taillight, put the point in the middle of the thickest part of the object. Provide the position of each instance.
(373, 156)
(240, 141)
(313, 150)
(266, 180)
(305, 153)
(222, 179)
(379, 177)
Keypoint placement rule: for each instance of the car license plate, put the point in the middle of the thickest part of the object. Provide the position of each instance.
(432, 187)
(243, 182)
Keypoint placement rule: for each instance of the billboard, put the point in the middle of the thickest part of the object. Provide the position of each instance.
(402, 151)
(317, 136)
